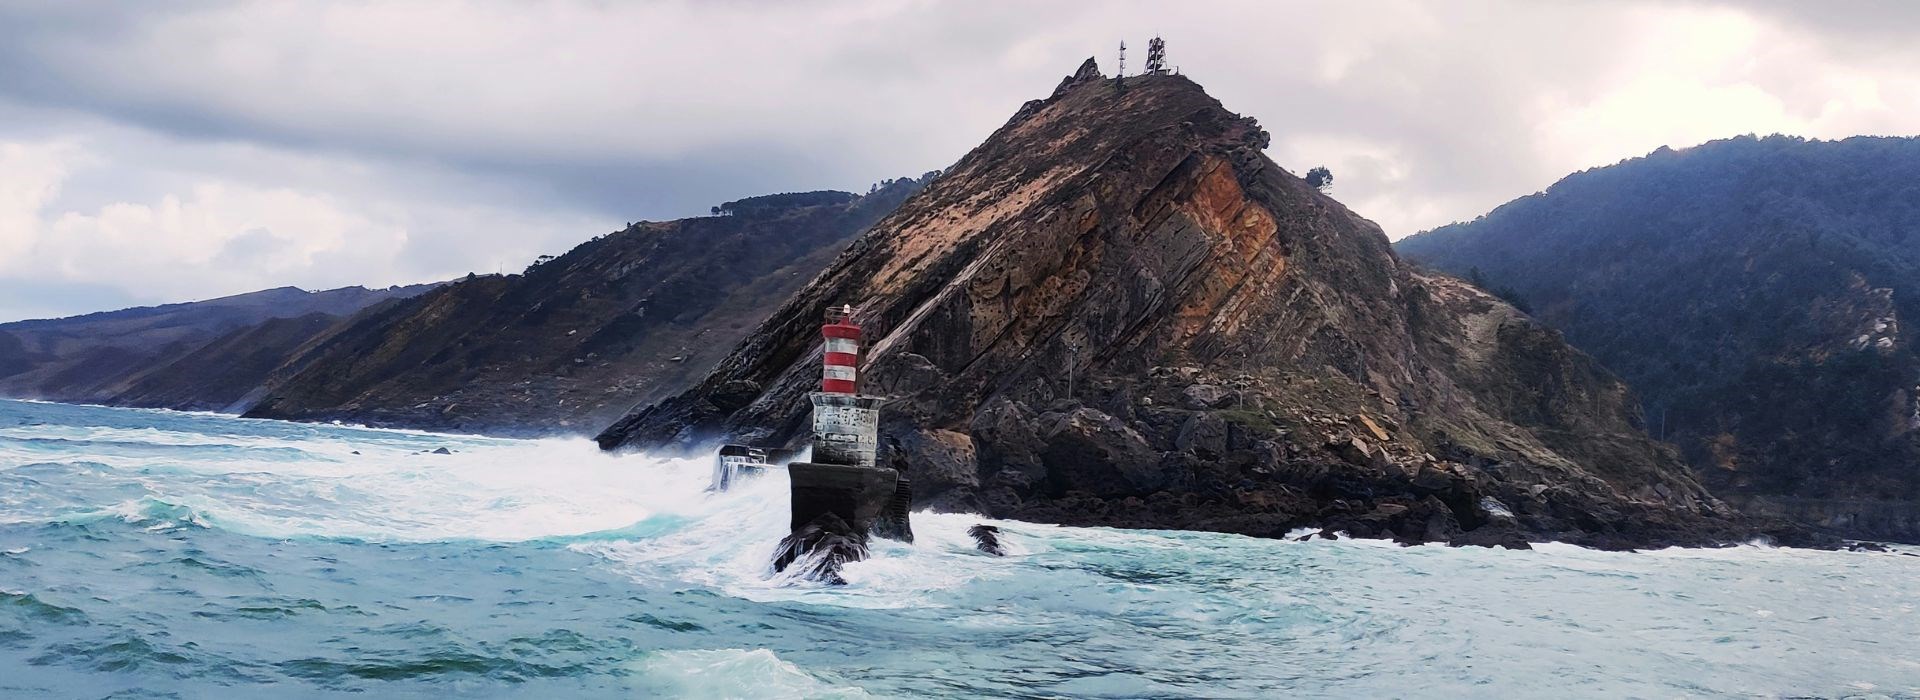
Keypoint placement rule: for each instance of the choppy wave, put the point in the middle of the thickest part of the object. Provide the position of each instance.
(196, 555)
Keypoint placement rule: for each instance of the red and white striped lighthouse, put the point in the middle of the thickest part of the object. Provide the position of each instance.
(840, 373)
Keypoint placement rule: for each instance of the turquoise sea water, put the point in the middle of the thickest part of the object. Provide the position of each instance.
(156, 554)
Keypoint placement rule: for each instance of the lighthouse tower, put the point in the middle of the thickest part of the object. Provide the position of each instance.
(842, 480)
(846, 425)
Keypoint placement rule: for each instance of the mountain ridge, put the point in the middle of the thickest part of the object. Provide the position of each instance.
(104, 357)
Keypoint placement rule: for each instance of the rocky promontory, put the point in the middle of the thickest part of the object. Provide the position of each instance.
(1118, 311)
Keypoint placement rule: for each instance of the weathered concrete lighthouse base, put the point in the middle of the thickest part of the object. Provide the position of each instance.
(836, 508)
(859, 495)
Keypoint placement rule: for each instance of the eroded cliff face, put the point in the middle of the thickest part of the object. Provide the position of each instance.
(1117, 311)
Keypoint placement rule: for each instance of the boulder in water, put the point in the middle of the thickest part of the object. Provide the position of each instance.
(987, 539)
(819, 548)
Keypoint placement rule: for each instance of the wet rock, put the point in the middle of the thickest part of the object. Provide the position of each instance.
(442, 451)
(1492, 536)
(1495, 510)
(818, 549)
(986, 538)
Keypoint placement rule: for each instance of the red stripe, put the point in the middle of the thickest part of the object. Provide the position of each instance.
(838, 331)
(836, 386)
(844, 359)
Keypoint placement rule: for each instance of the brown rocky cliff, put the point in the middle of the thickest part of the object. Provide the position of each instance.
(1245, 353)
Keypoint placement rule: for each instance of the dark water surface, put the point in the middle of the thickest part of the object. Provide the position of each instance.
(157, 554)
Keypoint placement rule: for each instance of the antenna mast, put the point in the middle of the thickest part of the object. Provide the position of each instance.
(1156, 57)
(1119, 76)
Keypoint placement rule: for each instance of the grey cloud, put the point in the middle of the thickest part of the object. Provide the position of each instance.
(592, 114)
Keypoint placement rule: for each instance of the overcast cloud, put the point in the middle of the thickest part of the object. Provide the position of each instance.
(165, 152)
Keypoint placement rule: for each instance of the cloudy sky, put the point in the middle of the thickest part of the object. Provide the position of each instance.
(156, 152)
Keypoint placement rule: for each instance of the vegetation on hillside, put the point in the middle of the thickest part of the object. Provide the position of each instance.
(1751, 289)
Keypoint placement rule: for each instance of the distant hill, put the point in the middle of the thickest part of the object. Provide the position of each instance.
(1753, 290)
(112, 357)
(581, 338)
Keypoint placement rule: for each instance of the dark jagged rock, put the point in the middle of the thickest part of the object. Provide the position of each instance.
(986, 538)
(1089, 72)
(1130, 317)
(819, 547)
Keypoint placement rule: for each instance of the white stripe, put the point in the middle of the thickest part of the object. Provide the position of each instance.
(840, 372)
(846, 345)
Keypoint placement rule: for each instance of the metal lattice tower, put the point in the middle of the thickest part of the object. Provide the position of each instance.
(1156, 57)
(1120, 75)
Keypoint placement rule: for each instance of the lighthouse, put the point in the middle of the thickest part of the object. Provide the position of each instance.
(846, 425)
(841, 496)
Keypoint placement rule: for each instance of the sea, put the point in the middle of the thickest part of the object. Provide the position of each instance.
(156, 554)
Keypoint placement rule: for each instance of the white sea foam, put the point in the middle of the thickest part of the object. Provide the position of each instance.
(733, 673)
(1071, 611)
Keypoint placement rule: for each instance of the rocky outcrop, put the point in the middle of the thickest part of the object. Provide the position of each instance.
(819, 548)
(577, 341)
(1754, 291)
(986, 538)
(1117, 311)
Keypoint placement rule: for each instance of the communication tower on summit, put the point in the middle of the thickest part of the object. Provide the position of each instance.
(1120, 74)
(1156, 56)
